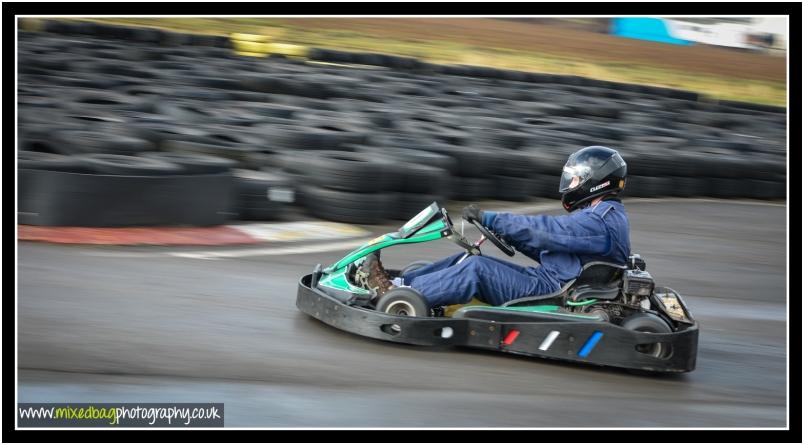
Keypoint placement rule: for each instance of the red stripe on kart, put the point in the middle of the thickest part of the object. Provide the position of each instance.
(511, 337)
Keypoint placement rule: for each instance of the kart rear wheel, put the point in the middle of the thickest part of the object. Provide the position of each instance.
(650, 323)
(404, 301)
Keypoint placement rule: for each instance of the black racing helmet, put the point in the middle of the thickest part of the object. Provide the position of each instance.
(591, 172)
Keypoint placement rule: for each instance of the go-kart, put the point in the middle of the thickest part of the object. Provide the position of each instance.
(610, 315)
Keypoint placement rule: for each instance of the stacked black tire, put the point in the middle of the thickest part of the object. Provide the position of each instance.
(363, 145)
(110, 190)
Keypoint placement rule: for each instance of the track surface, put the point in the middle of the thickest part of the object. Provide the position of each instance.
(137, 325)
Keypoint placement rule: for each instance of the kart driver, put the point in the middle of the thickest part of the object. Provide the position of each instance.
(596, 229)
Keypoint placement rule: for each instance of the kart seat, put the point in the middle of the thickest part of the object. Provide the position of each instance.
(598, 279)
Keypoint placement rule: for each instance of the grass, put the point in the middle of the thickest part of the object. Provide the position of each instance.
(720, 87)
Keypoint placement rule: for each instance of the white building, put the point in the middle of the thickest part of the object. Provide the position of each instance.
(766, 32)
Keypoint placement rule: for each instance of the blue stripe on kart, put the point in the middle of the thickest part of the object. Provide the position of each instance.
(590, 344)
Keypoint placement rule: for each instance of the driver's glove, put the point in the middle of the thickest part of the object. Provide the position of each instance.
(473, 213)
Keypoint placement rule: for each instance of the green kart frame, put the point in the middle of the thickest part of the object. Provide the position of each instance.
(611, 315)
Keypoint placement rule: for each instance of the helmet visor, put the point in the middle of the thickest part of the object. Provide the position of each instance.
(573, 176)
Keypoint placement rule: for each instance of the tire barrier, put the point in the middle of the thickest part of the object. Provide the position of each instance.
(262, 196)
(349, 207)
(35, 160)
(59, 198)
(108, 164)
(193, 163)
(128, 33)
(363, 141)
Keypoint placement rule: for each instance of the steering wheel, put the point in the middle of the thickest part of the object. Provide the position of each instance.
(496, 240)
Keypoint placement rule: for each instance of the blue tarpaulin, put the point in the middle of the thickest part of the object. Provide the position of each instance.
(653, 29)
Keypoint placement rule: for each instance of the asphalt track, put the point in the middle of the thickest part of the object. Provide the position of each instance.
(106, 324)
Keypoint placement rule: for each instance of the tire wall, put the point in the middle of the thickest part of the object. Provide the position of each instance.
(172, 116)
(53, 198)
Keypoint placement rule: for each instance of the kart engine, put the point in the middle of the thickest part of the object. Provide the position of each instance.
(637, 284)
(637, 287)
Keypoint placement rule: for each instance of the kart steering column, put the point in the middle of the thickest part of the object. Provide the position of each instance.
(476, 244)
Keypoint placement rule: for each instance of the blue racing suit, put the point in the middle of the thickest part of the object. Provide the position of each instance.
(561, 244)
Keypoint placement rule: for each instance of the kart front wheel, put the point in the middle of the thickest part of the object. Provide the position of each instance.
(403, 301)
